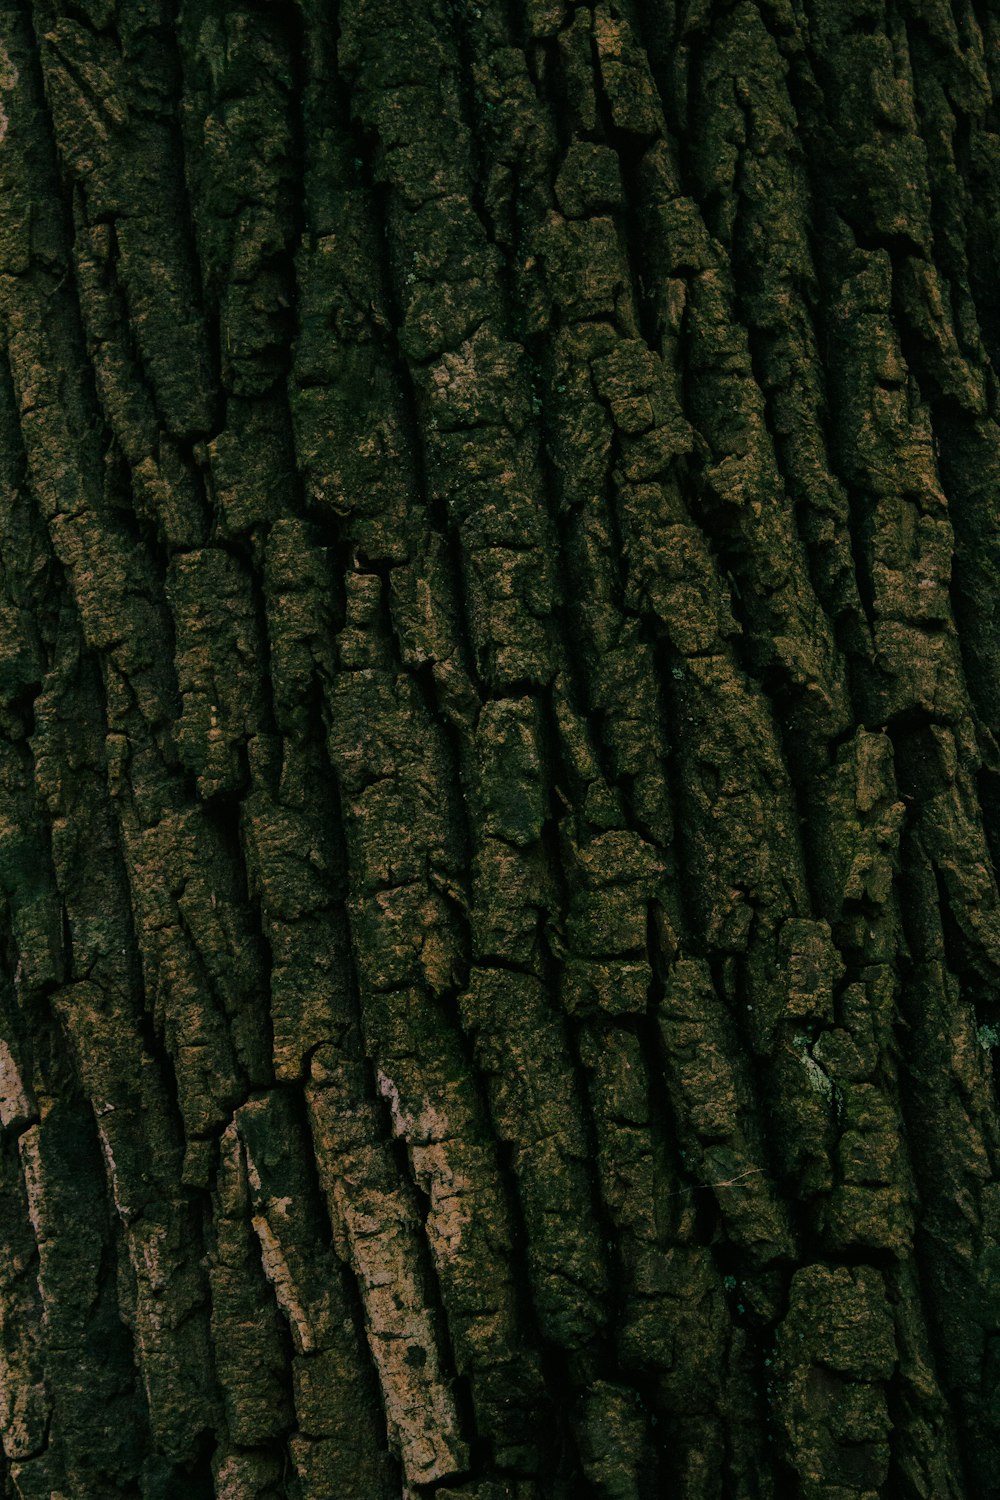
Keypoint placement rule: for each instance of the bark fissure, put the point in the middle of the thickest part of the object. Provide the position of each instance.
(499, 918)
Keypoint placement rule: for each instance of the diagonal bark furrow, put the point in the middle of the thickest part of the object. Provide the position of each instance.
(129, 1086)
(244, 158)
(334, 1407)
(97, 84)
(174, 1368)
(498, 694)
(604, 976)
(410, 961)
(486, 620)
(970, 887)
(62, 940)
(836, 1225)
(121, 605)
(294, 863)
(431, 1153)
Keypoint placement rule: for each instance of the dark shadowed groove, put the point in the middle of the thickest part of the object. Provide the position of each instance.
(455, 745)
(582, 736)
(970, 1474)
(535, 346)
(342, 552)
(167, 32)
(555, 1375)
(430, 504)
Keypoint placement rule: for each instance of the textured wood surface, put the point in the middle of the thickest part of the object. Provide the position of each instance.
(499, 797)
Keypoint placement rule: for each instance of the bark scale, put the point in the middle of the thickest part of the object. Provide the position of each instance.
(499, 686)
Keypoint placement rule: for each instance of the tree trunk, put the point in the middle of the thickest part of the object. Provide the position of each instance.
(499, 686)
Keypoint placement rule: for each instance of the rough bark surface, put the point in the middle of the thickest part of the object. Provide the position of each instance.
(499, 687)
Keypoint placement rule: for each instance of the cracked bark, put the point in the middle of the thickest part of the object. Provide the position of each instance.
(499, 922)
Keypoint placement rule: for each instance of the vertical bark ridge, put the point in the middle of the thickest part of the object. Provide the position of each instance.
(498, 714)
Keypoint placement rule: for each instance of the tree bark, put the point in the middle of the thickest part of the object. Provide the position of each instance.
(499, 686)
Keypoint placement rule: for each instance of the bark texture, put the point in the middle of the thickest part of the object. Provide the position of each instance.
(499, 686)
